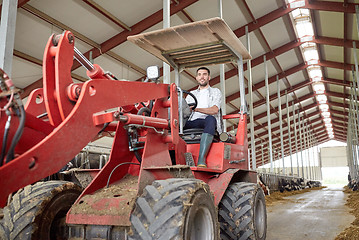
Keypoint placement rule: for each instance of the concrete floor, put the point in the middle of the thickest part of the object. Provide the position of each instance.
(319, 215)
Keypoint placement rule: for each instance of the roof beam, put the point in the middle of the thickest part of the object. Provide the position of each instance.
(337, 82)
(306, 108)
(337, 104)
(283, 74)
(141, 26)
(330, 6)
(338, 95)
(20, 3)
(122, 37)
(339, 42)
(282, 93)
(340, 113)
(274, 110)
(276, 138)
(313, 114)
(337, 65)
(107, 14)
(280, 50)
(319, 134)
(272, 79)
(260, 22)
(255, 62)
(340, 118)
(310, 95)
(79, 36)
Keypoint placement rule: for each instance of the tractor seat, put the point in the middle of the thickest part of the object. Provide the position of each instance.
(193, 135)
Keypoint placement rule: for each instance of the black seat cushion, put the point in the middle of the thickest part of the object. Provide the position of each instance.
(193, 135)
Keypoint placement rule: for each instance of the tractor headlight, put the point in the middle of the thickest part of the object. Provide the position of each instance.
(153, 72)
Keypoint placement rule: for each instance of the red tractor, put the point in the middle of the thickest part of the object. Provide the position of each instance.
(150, 187)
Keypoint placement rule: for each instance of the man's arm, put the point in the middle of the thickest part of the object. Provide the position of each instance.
(210, 111)
(217, 99)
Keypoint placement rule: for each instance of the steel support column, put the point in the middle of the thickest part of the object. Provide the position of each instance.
(250, 92)
(355, 63)
(350, 141)
(314, 162)
(295, 138)
(308, 146)
(301, 143)
(356, 111)
(319, 160)
(222, 75)
(280, 123)
(268, 115)
(7, 34)
(350, 136)
(262, 157)
(305, 145)
(289, 134)
(354, 126)
(166, 24)
(242, 90)
(320, 163)
(177, 82)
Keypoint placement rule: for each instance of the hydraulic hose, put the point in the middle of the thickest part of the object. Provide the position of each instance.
(144, 110)
(17, 136)
(104, 127)
(138, 156)
(109, 177)
(4, 141)
(151, 105)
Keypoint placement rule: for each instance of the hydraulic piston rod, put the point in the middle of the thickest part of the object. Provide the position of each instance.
(83, 60)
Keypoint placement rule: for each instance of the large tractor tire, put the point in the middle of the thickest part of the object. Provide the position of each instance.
(38, 211)
(177, 208)
(242, 212)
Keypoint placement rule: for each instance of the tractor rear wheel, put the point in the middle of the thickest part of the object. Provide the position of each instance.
(242, 212)
(38, 211)
(177, 208)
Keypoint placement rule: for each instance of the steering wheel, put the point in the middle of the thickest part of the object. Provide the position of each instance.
(193, 105)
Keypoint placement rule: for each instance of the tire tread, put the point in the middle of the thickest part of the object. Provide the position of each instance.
(236, 211)
(166, 200)
(20, 214)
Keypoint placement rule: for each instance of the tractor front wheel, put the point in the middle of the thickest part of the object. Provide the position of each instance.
(175, 208)
(38, 211)
(242, 212)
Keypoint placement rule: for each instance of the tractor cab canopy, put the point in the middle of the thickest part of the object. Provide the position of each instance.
(192, 45)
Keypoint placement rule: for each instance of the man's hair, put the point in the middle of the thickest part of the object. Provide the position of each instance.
(204, 68)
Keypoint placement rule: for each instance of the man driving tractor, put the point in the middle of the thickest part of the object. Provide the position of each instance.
(207, 113)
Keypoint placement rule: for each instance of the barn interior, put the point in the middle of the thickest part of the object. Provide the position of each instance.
(300, 82)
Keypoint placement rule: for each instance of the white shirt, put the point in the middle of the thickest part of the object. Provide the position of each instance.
(207, 98)
(203, 102)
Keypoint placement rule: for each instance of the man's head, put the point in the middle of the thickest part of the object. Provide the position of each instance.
(203, 76)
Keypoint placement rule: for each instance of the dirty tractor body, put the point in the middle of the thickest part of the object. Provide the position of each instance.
(150, 188)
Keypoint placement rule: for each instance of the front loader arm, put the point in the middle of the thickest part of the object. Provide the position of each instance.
(74, 133)
(76, 129)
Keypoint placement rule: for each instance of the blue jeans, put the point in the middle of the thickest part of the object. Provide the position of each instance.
(209, 124)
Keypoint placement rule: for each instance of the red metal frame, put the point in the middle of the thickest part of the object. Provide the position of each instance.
(66, 137)
(75, 115)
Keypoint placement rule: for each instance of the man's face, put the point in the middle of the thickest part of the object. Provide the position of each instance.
(203, 77)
